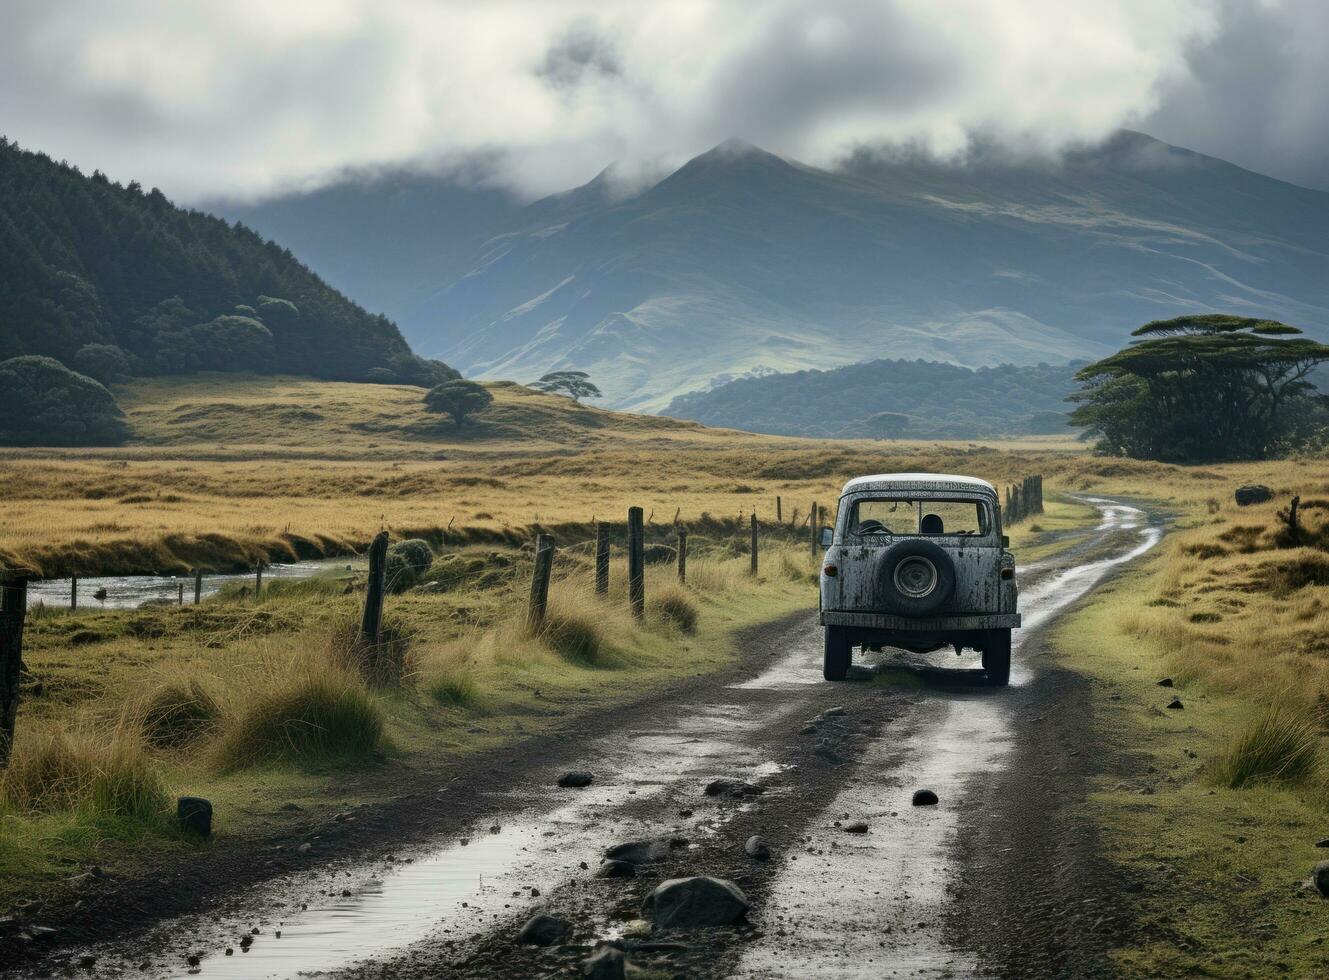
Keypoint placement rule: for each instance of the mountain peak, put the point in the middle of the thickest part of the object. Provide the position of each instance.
(732, 160)
(734, 149)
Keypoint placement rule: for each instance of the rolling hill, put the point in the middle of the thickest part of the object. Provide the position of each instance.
(742, 262)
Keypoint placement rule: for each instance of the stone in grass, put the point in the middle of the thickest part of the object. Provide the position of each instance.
(1322, 842)
(835, 712)
(925, 797)
(682, 903)
(617, 869)
(1320, 878)
(1165, 682)
(606, 963)
(856, 827)
(757, 848)
(194, 815)
(1175, 704)
(576, 779)
(544, 930)
(1252, 493)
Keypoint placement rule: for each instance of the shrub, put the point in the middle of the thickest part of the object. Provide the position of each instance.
(102, 362)
(674, 606)
(407, 561)
(88, 771)
(305, 715)
(178, 712)
(458, 398)
(43, 403)
(1277, 746)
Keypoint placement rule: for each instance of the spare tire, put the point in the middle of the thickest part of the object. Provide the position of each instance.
(917, 577)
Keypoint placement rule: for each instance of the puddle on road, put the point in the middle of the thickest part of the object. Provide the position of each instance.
(467, 888)
(458, 891)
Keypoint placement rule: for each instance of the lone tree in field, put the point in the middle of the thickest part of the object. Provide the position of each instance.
(576, 384)
(458, 398)
(1204, 388)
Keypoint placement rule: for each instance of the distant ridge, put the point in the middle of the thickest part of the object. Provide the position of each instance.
(924, 399)
(741, 261)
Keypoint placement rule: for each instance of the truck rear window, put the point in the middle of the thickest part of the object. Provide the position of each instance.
(917, 517)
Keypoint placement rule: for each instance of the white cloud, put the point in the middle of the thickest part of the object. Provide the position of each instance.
(245, 97)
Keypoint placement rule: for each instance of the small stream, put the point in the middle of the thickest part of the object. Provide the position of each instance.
(132, 591)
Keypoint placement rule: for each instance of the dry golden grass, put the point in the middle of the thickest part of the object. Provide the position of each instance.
(227, 471)
(1234, 608)
(96, 772)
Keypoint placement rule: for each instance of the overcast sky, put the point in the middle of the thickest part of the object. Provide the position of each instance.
(245, 98)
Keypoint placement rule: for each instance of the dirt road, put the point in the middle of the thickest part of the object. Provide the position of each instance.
(999, 878)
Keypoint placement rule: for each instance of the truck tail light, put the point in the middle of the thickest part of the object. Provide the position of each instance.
(830, 571)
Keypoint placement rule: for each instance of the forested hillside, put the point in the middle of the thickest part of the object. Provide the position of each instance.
(892, 399)
(115, 281)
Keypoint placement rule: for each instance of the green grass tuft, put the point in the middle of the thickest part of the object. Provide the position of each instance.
(674, 606)
(1278, 746)
(95, 774)
(574, 635)
(178, 712)
(311, 714)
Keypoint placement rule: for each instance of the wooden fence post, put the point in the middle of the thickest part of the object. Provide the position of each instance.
(73, 592)
(779, 514)
(683, 554)
(13, 610)
(180, 598)
(815, 520)
(371, 624)
(544, 566)
(754, 544)
(602, 559)
(636, 564)
(258, 579)
(198, 585)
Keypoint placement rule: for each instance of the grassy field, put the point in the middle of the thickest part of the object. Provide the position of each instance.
(223, 473)
(125, 709)
(1219, 827)
(257, 704)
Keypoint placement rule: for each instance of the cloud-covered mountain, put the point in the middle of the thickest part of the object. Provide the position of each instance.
(743, 262)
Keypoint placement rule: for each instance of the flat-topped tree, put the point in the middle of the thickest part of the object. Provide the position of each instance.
(575, 384)
(1202, 388)
(459, 398)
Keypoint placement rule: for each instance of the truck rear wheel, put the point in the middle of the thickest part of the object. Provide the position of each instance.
(997, 657)
(837, 654)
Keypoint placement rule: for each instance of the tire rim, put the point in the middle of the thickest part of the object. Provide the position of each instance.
(916, 577)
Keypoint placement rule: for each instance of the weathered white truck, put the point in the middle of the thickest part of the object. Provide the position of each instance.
(918, 561)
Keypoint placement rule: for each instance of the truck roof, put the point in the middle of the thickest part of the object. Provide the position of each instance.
(918, 481)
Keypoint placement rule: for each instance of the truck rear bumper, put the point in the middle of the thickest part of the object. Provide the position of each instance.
(927, 624)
